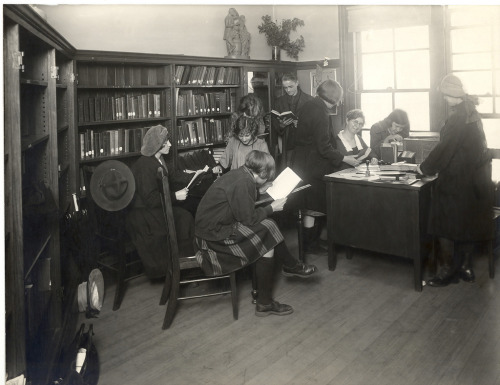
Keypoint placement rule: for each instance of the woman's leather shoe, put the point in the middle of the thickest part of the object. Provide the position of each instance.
(445, 276)
(467, 274)
(274, 307)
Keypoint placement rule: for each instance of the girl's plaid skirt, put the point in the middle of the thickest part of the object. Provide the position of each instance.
(244, 246)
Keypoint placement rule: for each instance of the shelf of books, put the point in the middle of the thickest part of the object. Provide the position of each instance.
(117, 104)
(206, 97)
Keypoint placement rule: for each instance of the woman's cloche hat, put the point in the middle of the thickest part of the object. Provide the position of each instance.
(112, 185)
(154, 139)
(452, 86)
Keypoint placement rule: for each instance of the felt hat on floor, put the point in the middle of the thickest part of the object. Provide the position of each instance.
(112, 185)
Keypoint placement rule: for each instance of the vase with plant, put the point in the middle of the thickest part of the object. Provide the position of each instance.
(278, 35)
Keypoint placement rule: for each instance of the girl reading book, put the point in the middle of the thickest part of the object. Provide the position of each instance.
(243, 140)
(349, 142)
(231, 232)
(145, 222)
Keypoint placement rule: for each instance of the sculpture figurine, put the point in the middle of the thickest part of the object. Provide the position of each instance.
(236, 35)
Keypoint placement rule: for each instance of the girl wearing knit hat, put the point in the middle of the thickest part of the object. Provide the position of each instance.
(145, 222)
(463, 195)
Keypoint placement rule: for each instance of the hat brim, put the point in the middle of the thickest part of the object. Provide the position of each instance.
(99, 198)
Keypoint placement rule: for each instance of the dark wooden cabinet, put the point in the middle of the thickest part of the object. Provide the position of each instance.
(39, 181)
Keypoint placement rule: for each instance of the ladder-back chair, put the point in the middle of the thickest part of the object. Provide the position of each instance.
(171, 289)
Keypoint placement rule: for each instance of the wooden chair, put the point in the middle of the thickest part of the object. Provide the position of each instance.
(173, 282)
(113, 250)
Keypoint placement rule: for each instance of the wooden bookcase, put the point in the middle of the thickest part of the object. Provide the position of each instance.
(39, 180)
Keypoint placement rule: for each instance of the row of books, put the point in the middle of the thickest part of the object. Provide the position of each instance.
(203, 75)
(121, 76)
(105, 108)
(96, 144)
(190, 103)
(202, 131)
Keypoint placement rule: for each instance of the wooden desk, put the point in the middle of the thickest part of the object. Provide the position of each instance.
(384, 217)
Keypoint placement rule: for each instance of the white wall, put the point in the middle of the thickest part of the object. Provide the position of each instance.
(195, 30)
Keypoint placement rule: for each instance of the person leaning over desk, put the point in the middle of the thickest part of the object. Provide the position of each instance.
(293, 100)
(316, 154)
(349, 142)
(462, 200)
(393, 128)
(231, 233)
(145, 222)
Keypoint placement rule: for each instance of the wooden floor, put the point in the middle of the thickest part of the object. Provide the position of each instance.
(361, 324)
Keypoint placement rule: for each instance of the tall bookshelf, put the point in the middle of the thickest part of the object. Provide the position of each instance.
(206, 96)
(39, 180)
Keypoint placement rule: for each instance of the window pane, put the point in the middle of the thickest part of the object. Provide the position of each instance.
(375, 107)
(376, 40)
(416, 104)
(496, 60)
(411, 37)
(471, 40)
(497, 105)
(471, 15)
(485, 106)
(477, 83)
(492, 131)
(471, 61)
(497, 83)
(412, 69)
(378, 71)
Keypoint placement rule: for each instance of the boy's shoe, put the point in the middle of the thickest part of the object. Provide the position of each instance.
(301, 270)
(274, 307)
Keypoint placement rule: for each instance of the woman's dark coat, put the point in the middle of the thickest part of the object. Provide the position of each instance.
(316, 152)
(146, 224)
(463, 193)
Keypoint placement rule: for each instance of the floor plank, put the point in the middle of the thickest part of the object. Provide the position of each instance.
(361, 324)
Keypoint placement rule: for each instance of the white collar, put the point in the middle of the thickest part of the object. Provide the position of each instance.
(346, 145)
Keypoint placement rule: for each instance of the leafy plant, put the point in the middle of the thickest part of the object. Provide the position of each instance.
(279, 35)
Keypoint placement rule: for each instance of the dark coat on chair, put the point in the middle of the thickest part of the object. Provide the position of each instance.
(316, 152)
(462, 200)
(145, 221)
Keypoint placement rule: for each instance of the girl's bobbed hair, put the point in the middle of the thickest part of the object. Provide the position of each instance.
(245, 124)
(261, 163)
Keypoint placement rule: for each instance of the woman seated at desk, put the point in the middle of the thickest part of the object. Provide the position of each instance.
(145, 222)
(232, 233)
(349, 142)
(392, 129)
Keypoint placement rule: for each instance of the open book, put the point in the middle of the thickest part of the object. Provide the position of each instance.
(284, 183)
(270, 199)
(363, 154)
(197, 175)
(284, 115)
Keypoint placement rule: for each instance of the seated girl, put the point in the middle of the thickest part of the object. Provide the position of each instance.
(232, 233)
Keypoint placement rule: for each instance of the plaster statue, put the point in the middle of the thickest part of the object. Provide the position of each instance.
(236, 35)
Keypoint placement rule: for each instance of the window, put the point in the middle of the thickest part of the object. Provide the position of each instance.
(474, 37)
(393, 72)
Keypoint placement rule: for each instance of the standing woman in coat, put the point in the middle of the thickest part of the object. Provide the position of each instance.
(316, 152)
(463, 193)
(145, 223)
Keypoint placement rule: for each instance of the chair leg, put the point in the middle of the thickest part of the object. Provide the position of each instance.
(300, 236)
(172, 302)
(349, 252)
(254, 285)
(120, 279)
(166, 289)
(234, 294)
